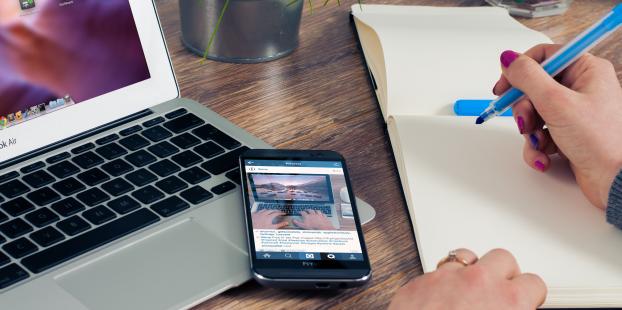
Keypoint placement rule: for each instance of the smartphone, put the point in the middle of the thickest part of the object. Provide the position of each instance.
(297, 235)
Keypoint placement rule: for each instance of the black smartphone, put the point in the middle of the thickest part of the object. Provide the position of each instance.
(302, 222)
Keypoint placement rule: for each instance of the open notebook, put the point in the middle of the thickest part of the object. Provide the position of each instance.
(467, 186)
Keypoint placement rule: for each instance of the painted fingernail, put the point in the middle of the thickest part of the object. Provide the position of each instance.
(495, 87)
(534, 141)
(507, 57)
(539, 165)
(521, 124)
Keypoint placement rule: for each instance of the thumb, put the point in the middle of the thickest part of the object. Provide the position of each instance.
(544, 92)
(300, 224)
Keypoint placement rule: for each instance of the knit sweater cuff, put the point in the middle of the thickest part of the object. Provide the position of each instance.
(614, 205)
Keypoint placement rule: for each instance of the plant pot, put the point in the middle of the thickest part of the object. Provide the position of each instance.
(251, 31)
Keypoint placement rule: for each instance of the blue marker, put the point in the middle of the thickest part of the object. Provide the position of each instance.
(474, 107)
(560, 60)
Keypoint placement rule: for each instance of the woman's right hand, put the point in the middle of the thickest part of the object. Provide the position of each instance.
(579, 117)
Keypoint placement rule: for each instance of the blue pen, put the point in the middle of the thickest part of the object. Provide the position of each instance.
(560, 60)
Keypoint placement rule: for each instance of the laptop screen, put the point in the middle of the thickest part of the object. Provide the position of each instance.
(58, 53)
(291, 187)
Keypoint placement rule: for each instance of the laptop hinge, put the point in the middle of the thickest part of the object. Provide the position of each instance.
(91, 132)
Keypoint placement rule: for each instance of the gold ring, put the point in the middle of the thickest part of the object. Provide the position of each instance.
(452, 257)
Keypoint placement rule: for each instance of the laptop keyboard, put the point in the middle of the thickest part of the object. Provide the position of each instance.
(73, 202)
(295, 209)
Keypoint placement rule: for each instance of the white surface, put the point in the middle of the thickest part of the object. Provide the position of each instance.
(431, 56)
(160, 88)
(467, 186)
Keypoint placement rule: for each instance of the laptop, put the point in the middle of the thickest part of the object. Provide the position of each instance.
(293, 195)
(115, 193)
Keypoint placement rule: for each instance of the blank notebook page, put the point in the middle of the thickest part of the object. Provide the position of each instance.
(469, 187)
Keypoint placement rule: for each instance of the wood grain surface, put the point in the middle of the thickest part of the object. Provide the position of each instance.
(319, 97)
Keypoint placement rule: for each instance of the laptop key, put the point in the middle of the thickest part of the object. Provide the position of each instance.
(164, 168)
(156, 134)
(183, 123)
(98, 215)
(140, 158)
(107, 139)
(15, 228)
(83, 148)
(209, 149)
(117, 167)
(68, 206)
(58, 157)
(63, 169)
(4, 259)
(171, 184)
(20, 248)
(111, 151)
(185, 140)
(128, 131)
(124, 204)
(11, 274)
(141, 177)
(17, 206)
(93, 177)
(73, 225)
(196, 195)
(7, 176)
(234, 175)
(224, 162)
(153, 121)
(41, 217)
(187, 159)
(163, 149)
(176, 113)
(148, 194)
(32, 167)
(194, 175)
(134, 142)
(117, 187)
(47, 236)
(68, 186)
(170, 206)
(87, 160)
(38, 178)
(43, 196)
(209, 132)
(223, 188)
(88, 241)
(13, 189)
(92, 196)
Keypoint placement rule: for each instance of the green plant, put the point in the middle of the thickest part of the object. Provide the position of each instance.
(226, 5)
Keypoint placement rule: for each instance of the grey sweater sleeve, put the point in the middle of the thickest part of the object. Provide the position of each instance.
(614, 206)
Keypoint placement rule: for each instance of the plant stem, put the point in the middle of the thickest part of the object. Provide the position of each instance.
(213, 35)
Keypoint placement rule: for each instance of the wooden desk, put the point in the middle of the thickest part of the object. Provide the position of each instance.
(320, 98)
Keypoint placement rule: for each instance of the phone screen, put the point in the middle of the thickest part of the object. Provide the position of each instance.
(301, 210)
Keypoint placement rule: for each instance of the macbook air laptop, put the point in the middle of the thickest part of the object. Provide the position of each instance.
(293, 195)
(114, 192)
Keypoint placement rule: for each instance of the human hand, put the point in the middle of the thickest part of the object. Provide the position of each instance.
(263, 219)
(578, 115)
(313, 219)
(493, 282)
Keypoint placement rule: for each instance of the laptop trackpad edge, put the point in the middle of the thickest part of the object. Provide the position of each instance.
(125, 280)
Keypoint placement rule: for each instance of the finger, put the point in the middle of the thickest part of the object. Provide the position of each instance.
(281, 225)
(551, 146)
(467, 255)
(500, 262)
(535, 159)
(547, 95)
(539, 53)
(525, 116)
(300, 224)
(502, 86)
(532, 288)
(538, 140)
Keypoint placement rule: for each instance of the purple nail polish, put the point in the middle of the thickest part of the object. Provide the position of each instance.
(508, 57)
(521, 124)
(539, 165)
(534, 141)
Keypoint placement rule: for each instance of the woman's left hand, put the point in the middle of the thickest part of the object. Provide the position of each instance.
(492, 282)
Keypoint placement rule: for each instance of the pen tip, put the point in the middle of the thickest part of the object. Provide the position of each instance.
(479, 120)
